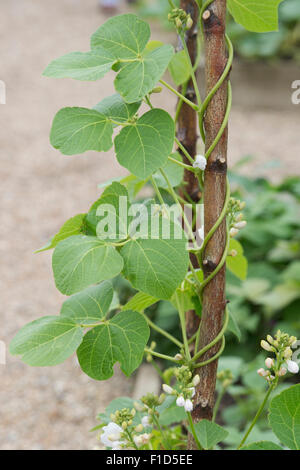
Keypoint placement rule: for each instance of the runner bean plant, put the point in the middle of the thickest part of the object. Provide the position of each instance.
(159, 246)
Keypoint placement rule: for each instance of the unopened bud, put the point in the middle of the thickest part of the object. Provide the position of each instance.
(157, 89)
(166, 388)
(241, 224)
(266, 345)
(233, 232)
(124, 425)
(287, 353)
(139, 428)
(269, 362)
(189, 23)
(282, 371)
(270, 339)
(196, 380)
(178, 23)
(178, 357)
(233, 253)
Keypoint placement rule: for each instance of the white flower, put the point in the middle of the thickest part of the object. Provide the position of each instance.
(269, 362)
(180, 401)
(262, 372)
(233, 232)
(282, 371)
(138, 440)
(292, 367)
(145, 421)
(167, 389)
(193, 390)
(196, 380)
(188, 405)
(111, 435)
(241, 224)
(200, 162)
(266, 345)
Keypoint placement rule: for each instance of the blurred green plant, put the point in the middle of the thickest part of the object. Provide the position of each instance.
(284, 43)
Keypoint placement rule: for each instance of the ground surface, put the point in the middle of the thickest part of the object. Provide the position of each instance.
(54, 408)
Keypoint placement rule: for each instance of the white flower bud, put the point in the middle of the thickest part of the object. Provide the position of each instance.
(145, 421)
(262, 372)
(188, 405)
(270, 339)
(196, 380)
(145, 438)
(180, 401)
(168, 389)
(269, 362)
(287, 353)
(200, 162)
(292, 367)
(241, 224)
(233, 253)
(233, 232)
(282, 371)
(138, 440)
(266, 345)
(140, 427)
(178, 357)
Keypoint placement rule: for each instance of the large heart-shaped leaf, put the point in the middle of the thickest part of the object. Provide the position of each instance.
(148, 264)
(257, 16)
(122, 339)
(124, 36)
(73, 226)
(47, 341)
(144, 147)
(76, 130)
(209, 433)
(138, 78)
(284, 417)
(115, 108)
(237, 264)
(80, 261)
(81, 65)
(108, 216)
(139, 302)
(90, 305)
(262, 445)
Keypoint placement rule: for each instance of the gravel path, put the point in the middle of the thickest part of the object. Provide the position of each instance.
(54, 408)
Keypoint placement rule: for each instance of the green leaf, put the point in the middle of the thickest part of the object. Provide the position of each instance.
(155, 266)
(124, 36)
(209, 433)
(262, 445)
(80, 261)
(108, 216)
(238, 264)
(73, 226)
(179, 68)
(90, 305)
(114, 107)
(284, 417)
(76, 130)
(139, 302)
(137, 79)
(47, 341)
(233, 326)
(121, 339)
(173, 171)
(258, 16)
(144, 147)
(81, 65)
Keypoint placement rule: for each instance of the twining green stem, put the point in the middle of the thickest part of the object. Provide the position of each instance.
(162, 332)
(131, 439)
(192, 70)
(259, 412)
(180, 102)
(183, 326)
(147, 100)
(216, 340)
(158, 193)
(184, 150)
(217, 404)
(213, 358)
(165, 440)
(161, 356)
(177, 93)
(183, 165)
(191, 423)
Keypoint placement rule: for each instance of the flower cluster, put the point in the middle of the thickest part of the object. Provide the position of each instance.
(225, 377)
(181, 19)
(235, 216)
(122, 433)
(277, 367)
(186, 387)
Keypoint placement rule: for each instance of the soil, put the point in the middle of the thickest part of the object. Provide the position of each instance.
(54, 408)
